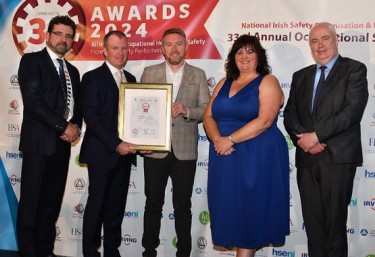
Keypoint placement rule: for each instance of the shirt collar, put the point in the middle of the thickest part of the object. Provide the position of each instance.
(180, 70)
(53, 55)
(112, 68)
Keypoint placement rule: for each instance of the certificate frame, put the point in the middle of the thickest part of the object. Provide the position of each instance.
(144, 115)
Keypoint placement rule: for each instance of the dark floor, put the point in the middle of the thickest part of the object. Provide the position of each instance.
(4, 253)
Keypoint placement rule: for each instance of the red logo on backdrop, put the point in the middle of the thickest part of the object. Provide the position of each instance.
(31, 20)
(143, 22)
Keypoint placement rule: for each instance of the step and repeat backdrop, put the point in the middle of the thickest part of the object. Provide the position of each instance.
(211, 27)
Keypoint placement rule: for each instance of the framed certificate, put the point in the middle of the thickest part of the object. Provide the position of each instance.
(145, 115)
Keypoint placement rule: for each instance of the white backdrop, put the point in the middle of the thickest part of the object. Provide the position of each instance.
(282, 26)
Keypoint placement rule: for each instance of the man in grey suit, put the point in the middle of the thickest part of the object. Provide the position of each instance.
(190, 95)
(327, 135)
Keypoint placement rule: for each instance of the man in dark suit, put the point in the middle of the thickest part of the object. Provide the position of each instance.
(51, 121)
(323, 116)
(191, 96)
(108, 158)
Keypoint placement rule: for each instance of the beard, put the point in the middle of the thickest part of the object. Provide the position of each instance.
(175, 59)
(60, 48)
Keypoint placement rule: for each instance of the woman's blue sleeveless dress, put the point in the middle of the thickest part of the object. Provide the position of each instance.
(248, 190)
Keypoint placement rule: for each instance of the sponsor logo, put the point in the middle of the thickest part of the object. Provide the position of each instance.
(370, 203)
(14, 82)
(202, 138)
(13, 105)
(350, 231)
(282, 253)
(34, 18)
(79, 184)
(203, 164)
(289, 142)
(79, 208)
(363, 232)
(132, 185)
(369, 145)
(201, 243)
(75, 235)
(198, 190)
(127, 239)
(171, 216)
(204, 217)
(14, 156)
(285, 85)
(353, 203)
(369, 174)
(13, 130)
(14, 180)
(76, 232)
(131, 214)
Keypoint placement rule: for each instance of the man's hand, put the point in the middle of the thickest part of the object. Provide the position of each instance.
(71, 133)
(125, 148)
(317, 148)
(179, 109)
(307, 141)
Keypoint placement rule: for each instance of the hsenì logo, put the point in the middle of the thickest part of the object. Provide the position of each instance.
(369, 174)
(202, 138)
(282, 253)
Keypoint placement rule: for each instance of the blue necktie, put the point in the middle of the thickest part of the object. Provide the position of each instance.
(320, 84)
(62, 77)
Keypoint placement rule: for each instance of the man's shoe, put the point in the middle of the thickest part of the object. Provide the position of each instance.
(51, 255)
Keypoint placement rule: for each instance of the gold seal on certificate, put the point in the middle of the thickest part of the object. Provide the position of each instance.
(145, 115)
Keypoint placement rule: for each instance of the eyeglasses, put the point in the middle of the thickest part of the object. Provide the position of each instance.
(60, 34)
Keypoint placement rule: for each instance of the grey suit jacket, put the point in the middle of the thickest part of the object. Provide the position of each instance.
(194, 94)
(337, 115)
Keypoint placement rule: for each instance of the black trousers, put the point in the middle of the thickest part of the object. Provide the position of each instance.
(42, 190)
(105, 208)
(325, 191)
(157, 172)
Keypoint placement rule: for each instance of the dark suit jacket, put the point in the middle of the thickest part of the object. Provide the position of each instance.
(194, 94)
(100, 98)
(44, 103)
(337, 114)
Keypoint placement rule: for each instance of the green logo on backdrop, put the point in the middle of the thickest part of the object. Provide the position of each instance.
(289, 142)
(204, 217)
(174, 242)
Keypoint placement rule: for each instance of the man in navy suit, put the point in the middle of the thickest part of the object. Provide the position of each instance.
(108, 158)
(51, 121)
(323, 116)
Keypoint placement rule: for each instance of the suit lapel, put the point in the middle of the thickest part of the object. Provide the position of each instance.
(108, 77)
(328, 83)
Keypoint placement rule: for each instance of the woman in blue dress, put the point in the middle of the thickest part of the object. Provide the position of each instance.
(248, 170)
